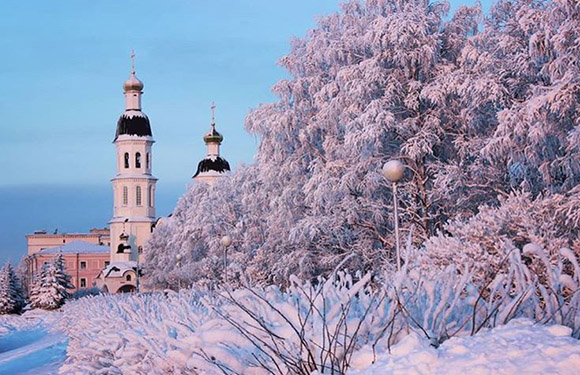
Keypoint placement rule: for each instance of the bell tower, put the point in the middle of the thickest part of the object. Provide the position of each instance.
(133, 184)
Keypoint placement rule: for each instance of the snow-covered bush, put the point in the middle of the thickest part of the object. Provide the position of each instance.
(483, 241)
(131, 334)
(529, 283)
(310, 325)
(49, 290)
(12, 298)
(546, 292)
(306, 327)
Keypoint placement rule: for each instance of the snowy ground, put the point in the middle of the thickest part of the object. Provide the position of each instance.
(27, 347)
(520, 347)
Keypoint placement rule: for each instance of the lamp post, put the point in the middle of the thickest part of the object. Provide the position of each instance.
(393, 171)
(178, 264)
(226, 241)
(139, 252)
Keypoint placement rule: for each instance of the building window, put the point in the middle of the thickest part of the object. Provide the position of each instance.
(125, 195)
(83, 265)
(150, 195)
(148, 161)
(83, 282)
(126, 160)
(107, 263)
(138, 195)
(128, 277)
(138, 160)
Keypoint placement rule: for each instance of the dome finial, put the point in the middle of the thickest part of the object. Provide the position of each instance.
(213, 115)
(132, 61)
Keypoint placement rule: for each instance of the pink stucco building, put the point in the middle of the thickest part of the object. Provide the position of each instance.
(85, 254)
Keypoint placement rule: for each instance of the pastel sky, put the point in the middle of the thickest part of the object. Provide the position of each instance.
(61, 73)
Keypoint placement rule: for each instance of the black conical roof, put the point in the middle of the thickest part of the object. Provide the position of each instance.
(133, 123)
(217, 164)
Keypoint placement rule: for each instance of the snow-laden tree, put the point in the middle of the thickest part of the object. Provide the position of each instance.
(7, 304)
(11, 295)
(21, 271)
(49, 290)
(526, 62)
(475, 116)
(525, 67)
(225, 210)
(357, 99)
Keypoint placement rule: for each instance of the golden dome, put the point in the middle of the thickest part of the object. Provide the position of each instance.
(213, 136)
(133, 84)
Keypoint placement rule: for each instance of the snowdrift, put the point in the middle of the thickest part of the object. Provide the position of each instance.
(520, 347)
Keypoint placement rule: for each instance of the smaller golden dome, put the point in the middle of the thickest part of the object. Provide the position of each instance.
(133, 84)
(213, 136)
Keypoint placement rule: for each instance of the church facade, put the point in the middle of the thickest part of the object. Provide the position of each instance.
(134, 217)
(133, 194)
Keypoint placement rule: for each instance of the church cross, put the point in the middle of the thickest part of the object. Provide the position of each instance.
(132, 61)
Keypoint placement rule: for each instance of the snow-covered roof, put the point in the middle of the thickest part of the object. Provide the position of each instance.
(117, 269)
(211, 174)
(133, 122)
(212, 164)
(74, 247)
(129, 137)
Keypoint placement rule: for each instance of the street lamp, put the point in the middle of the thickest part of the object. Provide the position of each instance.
(393, 171)
(139, 252)
(226, 241)
(178, 264)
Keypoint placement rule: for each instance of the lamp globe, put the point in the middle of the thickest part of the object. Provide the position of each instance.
(393, 170)
(226, 241)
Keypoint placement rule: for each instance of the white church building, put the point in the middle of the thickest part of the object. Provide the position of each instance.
(134, 185)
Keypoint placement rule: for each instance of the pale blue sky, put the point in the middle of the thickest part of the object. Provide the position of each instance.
(61, 72)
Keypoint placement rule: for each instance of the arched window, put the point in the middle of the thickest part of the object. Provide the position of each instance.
(128, 277)
(126, 160)
(125, 195)
(138, 160)
(150, 195)
(148, 161)
(138, 195)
